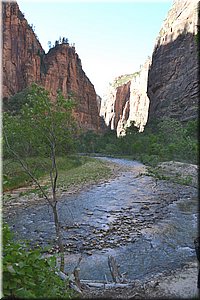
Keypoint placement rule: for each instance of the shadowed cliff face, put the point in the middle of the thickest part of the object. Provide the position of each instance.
(167, 84)
(25, 62)
(122, 97)
(174, 94)
(173, 75)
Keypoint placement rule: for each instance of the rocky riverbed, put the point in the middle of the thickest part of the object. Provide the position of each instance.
(148, 225)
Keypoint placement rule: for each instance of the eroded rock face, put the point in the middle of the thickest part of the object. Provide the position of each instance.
(138, 104)
(127, 102)
(63, 70)
(121, 103)
(25, 62)
(107, 107)
(21, 51)
(173, 76)
(115, 100)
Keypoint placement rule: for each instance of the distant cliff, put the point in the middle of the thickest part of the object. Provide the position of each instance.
(115, 99)
(173, 77)
(126, 101)
(167, 84)
(25, 62)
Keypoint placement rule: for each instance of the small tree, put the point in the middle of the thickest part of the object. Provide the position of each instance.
(43, 128)
(49, 45)
(65, 40)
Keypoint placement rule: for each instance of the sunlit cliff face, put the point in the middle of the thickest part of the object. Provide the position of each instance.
(107, 106)
(182, 18)
(139, 101)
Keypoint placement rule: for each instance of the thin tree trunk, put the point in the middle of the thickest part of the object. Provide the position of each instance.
(59, 238)
(53, 203)
(54, 177)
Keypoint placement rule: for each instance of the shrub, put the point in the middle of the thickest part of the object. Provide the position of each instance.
(27, 275)
(151, 160)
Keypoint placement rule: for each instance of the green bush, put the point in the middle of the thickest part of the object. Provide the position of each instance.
(15, 103)
(111, 149)
(191, 129)
(27, 275)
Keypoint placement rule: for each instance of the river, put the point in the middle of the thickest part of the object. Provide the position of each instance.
(147, 225)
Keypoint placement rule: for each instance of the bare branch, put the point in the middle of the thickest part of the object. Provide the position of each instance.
(26, 169)
(76, 273)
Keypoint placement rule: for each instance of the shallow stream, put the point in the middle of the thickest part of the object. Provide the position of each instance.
(147, 225)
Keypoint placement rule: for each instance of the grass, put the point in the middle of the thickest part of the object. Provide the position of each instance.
(91, 171)
(73, 170)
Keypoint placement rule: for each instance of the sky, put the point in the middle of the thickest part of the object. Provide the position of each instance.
(112, 38)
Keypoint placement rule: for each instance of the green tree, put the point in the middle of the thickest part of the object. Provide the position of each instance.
(170, 130)
(44, 128)
(191, 129)
(14, 104)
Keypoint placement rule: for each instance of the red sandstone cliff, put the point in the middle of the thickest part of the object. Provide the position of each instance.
(25, 62)
(21, 62)
(122, 96)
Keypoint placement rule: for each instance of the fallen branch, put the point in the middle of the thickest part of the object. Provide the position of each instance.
(107, 285)
(72, 283)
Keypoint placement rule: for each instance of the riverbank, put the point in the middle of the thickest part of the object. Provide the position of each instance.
(178, 172)
(178, 284)
(69, 182)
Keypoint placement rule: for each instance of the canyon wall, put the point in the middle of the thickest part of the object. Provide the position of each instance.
(114, 100)
(136, 110)
(167, 85)
(126, 101)
(173, 75)
(21, 51)
(25, 62)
